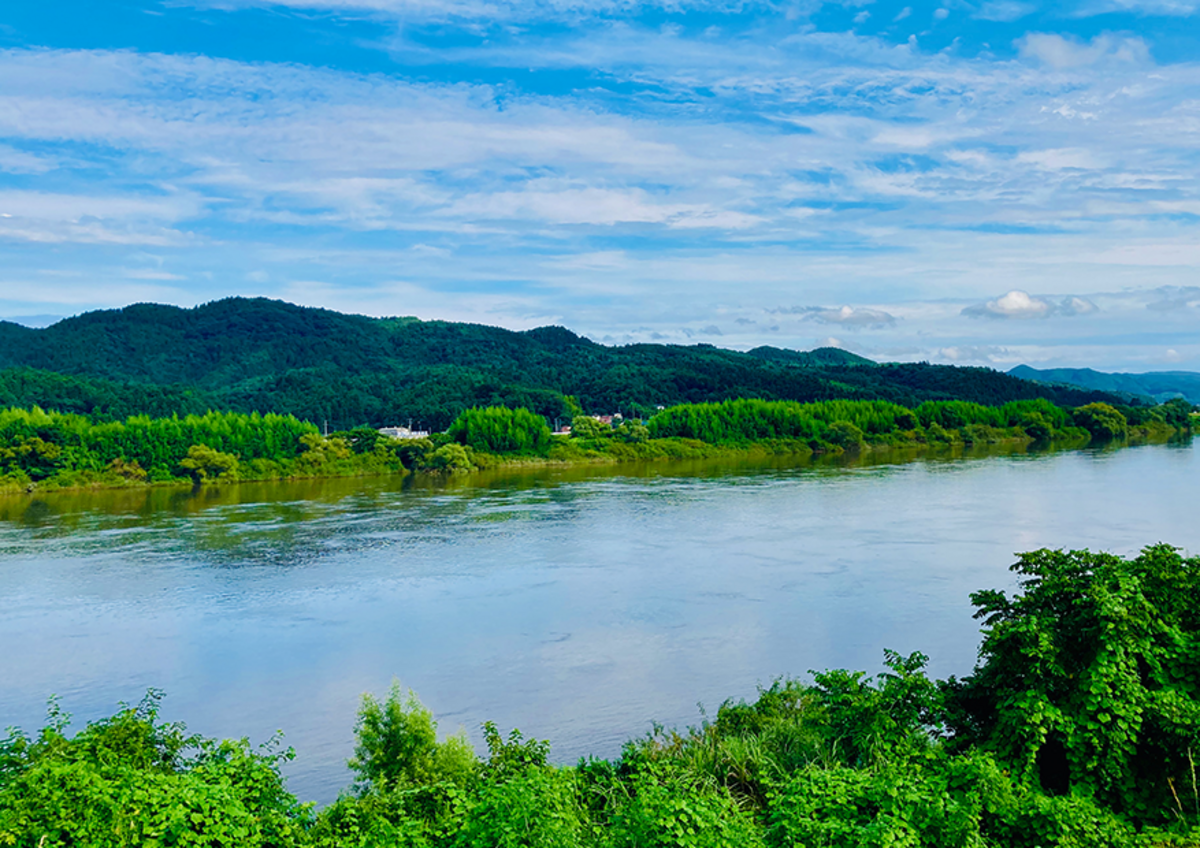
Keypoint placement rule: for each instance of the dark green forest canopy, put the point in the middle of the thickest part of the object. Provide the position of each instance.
(258, 355)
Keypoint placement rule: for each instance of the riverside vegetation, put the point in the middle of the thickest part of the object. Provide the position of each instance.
(47, 450)
(1079, 726)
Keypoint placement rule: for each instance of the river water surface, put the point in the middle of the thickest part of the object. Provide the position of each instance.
(576, 605)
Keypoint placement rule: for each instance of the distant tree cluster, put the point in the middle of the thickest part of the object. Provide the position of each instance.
(69, 450)
(73, 450)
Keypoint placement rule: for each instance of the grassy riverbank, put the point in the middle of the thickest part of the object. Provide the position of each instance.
(46, 451)
(1078, 727)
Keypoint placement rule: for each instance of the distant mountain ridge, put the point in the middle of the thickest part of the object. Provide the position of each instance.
(269, 356)
(1157, 385)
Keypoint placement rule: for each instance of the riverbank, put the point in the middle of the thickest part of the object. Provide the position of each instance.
(46, 452)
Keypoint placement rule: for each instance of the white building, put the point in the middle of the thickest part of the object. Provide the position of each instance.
(404, 433)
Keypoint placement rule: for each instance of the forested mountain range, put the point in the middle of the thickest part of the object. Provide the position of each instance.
(1158, 385)
(320, 365)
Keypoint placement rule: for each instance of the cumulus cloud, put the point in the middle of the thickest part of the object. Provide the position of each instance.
(1019, 304)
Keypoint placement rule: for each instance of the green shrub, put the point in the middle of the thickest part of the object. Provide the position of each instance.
(1087, 682)
(452, 457)
(534, 808)
(132, 780)
(1102, 421)
(845, 435)
(633, 433)
(397, 745)
(589, 427)
(498, 429)
(204, 463)
(668, 810)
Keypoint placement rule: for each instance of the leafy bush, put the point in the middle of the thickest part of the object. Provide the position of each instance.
(589, 427)
(1088, 681)
(452, 457)
(205, 463)
(1102, 421)
(845, 435)
(668, 810)
(398, 745)
(534, 808)
(132, 780)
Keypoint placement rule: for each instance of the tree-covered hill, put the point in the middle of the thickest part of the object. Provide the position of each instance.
(269, 356)
(1157, 385)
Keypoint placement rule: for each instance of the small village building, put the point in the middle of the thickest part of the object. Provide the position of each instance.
(403, 433)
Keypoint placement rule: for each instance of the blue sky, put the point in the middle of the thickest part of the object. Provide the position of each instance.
(982, 182)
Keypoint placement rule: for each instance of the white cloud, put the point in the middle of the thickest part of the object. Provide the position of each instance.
(1004, 11)
(1061, 159)
(98, 219)
(19, 162)
(490, 9)
(989, 354)
(1061, 52)
(1175, 299)
(1171, 8)
(820, 168)
(847, 316)
(1020, 304)
(1015, 304)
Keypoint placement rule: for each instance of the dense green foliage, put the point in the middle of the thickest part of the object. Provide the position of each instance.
(101, 400)
(349, 370)
(131, 780)
(1079, 727)
(38, 447)
(1089, 682)
(499, 429)
(49, 449)
(844, 423)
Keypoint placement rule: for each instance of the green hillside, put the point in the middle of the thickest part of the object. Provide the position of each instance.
(1156, 385)
(268, 356)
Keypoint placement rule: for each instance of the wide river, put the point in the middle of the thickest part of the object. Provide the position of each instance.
(577, 605)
